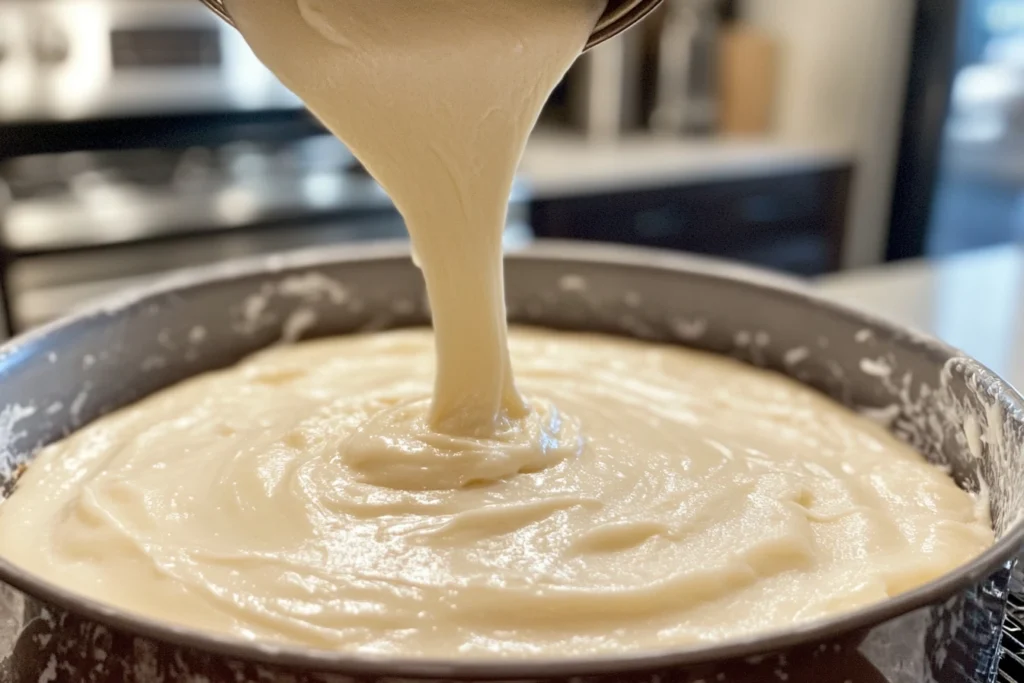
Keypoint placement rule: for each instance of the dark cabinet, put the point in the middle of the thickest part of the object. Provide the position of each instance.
(790, 222)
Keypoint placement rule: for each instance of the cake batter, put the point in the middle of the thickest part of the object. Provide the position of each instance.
(685, 498)
(398, 494)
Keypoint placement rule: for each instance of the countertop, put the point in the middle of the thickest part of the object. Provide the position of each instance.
(557, 165)
(974, 302)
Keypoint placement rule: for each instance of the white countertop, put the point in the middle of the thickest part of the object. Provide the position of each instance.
(564, 165)
(974, 302)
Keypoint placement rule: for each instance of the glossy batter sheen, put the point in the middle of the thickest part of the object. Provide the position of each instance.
(689, 498)
(399, 493)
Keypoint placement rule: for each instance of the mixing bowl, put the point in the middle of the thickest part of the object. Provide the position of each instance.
(952, 409)
(618, 16)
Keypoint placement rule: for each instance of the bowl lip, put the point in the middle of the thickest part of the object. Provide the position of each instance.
(329, 661)
(619, 17)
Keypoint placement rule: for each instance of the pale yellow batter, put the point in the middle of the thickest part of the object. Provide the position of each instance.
(690, 498)
(391, 494)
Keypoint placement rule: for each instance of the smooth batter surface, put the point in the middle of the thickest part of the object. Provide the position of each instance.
(694, 499)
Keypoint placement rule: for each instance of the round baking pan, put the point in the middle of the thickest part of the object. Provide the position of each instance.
(950, 408)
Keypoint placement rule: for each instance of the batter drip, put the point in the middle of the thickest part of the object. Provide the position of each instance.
(437, 99)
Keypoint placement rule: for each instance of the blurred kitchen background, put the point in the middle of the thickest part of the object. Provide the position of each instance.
(139, 136)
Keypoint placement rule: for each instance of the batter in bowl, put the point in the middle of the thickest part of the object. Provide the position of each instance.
(401, 494)
(687, 498)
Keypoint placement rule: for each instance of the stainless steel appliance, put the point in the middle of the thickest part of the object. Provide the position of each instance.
(139, 136)
(67, 60)
(78, 225)
(88, 91)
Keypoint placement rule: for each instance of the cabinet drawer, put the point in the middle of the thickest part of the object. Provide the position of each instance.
(729, 219)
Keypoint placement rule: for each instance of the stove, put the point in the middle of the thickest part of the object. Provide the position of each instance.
(76, 226)
(88, 199)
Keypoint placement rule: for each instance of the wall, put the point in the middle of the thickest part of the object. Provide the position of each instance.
(844, 71)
